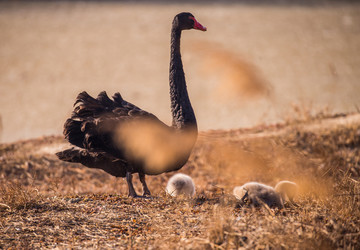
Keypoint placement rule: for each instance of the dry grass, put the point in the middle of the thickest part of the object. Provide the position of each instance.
(48, 203)
(14, 195)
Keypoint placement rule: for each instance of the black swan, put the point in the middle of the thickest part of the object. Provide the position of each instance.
(110, 134)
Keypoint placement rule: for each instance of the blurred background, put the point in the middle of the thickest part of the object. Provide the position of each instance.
(259, 61)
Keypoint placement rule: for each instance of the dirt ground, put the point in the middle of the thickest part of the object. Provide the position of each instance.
(47, 203)
(302, 54)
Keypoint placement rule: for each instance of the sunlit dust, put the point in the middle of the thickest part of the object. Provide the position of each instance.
(158, 147)
(236, 77)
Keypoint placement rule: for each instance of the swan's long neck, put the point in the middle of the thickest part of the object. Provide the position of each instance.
(182, 112)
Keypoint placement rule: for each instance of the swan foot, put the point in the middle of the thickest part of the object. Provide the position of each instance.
(145, 187)
(132, 192)
(147, 193)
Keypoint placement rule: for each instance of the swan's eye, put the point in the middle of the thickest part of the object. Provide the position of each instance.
(193, 18)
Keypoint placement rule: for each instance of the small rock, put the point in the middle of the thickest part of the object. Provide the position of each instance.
(75, 200)
(4, 207)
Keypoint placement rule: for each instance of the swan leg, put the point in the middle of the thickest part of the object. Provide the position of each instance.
(145, 188)
(132, 191)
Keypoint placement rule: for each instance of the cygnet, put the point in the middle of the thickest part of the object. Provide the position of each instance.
(258, 193)
(180, 184)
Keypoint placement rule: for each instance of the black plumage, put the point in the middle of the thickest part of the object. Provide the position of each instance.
(105, 130)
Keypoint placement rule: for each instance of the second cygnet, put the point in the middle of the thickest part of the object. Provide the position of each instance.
(257, 194)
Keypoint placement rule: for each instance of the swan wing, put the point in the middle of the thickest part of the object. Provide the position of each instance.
(94, 121)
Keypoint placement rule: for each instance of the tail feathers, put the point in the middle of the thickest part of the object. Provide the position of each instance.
(72, 132)
(84, 97)
(71, 155)
(84, 116)
(86, 106)
(118, 99)
(101, 160)
(105, 101)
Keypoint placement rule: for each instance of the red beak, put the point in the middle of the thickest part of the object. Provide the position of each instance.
(198, 25)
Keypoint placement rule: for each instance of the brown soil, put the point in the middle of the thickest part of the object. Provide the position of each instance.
(49, 203)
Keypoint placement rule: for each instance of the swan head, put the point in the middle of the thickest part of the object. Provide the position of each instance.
(186, 21)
